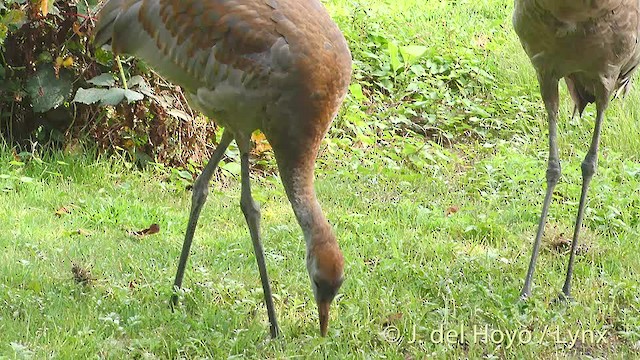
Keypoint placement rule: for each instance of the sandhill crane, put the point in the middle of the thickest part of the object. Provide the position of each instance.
(281, 66)
(594, 46)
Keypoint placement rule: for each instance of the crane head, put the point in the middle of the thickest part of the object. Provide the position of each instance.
(325, 264)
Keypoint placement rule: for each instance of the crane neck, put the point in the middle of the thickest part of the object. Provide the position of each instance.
(299, 185)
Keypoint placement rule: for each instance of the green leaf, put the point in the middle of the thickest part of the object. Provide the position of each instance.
(3, 33)
(136, 80)
(45, 57)
(393, 50)
(104, 57)
(419, 70)
(114, 96)
(48, 91)
(412, 53)
(133, 96)
(15, 18)
(89, 96)
(35, 286)
(106, 80)
(356, 91)
(185, 175)
(232, 167)
(87, 7)
(111, 96)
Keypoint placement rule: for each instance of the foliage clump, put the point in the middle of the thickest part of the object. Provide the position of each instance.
(57, 88)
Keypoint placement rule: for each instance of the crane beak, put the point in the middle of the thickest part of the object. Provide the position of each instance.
(323, 312)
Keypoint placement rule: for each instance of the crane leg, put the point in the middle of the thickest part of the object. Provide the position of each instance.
(198, 198)
(549, 91)
(588, 169)
(251, 212)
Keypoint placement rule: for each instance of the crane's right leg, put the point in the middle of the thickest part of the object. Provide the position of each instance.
(549, 92)
(200, 191)
(588, 169)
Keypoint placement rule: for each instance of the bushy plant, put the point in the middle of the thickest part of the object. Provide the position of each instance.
(57, 88)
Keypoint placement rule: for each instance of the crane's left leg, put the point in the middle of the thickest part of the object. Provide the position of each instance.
(588, 169)
(251, 212)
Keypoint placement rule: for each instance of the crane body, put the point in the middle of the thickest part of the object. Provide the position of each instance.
(593, 45)
(281, 66)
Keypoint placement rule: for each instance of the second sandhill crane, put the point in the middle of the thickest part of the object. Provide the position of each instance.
(593, 45)
(281, 66)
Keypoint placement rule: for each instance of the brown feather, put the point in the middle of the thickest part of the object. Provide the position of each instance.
(281, 66)
(584, 41)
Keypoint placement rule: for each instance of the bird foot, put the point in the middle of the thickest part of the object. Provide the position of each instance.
(563, 299)
(173, 302)
(275, 332)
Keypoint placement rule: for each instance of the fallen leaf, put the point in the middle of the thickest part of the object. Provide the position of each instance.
(76, 29)
(43, 7)
(391, 319)
(261, 145)
(62, 211)
(153, 229)
(451, 210)
(480, 41)
(372, 262)
(81, 274)
(68, 62)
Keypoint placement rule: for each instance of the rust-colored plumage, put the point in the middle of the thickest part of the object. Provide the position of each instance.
(281, 66)
(593, 45)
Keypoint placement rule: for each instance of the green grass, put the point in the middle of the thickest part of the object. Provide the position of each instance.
(412, 269)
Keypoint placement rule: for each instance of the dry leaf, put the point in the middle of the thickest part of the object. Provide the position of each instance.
(68, 61)
(43, 7)
(372, 262)
(451, 210)
(394, 317)
(480, 41)
(129, 144)
(261, 143)
(76, 29)
(153, 229)
(82, 275)
(62, 211)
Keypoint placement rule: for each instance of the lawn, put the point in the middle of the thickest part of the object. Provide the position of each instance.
(433, 178)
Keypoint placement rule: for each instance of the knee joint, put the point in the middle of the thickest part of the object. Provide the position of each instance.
(200, 192)
(249, 207)
(588, 166)
(553, 172)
